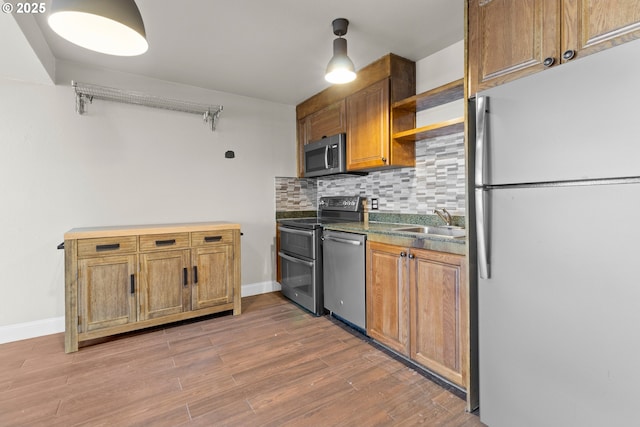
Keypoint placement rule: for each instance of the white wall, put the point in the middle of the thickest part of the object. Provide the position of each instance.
(436, 70)
(127, 164)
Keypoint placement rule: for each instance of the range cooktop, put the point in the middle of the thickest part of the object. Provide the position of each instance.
(331, 210)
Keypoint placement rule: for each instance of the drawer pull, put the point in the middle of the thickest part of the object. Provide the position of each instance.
(112, 247)
(185, 276)
(165, 242)
(210, 239)
(195, 274)
(133, 284)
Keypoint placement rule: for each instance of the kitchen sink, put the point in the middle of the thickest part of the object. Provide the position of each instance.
(443, 230)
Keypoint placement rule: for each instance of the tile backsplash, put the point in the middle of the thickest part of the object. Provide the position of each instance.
(436, 182)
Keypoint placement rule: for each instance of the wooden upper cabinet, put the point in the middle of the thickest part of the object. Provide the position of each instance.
(326, 122)
(508, 39)
(368, 127)
(593, 25)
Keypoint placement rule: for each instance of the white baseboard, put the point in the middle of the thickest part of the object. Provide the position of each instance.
(38, 328)
(260, 288)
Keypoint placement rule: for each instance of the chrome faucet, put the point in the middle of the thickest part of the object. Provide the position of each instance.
(446, 216)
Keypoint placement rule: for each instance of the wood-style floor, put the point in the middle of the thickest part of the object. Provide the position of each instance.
(273, 365)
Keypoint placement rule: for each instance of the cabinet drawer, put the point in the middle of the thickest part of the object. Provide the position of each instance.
(106, 246)
(154, 242)
(203, 238)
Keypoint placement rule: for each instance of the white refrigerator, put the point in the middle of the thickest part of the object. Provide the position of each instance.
(557, 218)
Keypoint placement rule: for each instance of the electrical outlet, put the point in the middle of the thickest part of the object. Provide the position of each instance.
(374, 204)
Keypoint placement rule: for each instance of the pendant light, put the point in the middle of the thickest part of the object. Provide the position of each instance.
(340, 69)
(113, 27)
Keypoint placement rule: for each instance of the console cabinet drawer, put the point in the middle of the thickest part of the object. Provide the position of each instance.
(204, 238)
(106, 246)
(155, 242)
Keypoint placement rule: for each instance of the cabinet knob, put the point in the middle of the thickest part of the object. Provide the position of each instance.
(403, 254)
(568, 54)
(384, 160)
(548, 62)
(411, 256)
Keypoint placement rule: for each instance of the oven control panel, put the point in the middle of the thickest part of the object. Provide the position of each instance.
(341, 203)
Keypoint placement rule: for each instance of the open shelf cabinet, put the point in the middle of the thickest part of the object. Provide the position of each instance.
(432, 98)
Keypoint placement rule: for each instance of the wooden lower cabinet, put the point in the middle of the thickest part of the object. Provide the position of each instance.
(104, 289)
(417, 306)
(119, 280)
(212, 278)
(387, 296)
(439, 313)
(164, 283)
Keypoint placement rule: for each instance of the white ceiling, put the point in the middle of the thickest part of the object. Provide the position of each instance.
(275, 50)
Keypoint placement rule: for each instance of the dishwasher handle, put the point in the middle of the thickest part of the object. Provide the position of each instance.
(346, 241)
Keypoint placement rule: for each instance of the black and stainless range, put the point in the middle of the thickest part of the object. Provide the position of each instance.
(300, 254)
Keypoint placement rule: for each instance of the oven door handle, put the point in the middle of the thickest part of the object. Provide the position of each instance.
(294, 231)
(339, 240)
(296, 260)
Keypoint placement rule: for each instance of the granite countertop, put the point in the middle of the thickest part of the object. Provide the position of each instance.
(382, 227)
(384, 232)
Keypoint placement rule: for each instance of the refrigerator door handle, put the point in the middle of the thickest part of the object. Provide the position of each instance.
(481, 233)
(481, 128)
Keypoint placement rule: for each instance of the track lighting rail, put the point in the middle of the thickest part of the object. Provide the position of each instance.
(87, 93)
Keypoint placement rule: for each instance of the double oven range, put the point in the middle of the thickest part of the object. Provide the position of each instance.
(300, 254)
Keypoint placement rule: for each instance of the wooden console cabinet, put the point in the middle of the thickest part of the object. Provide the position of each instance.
(119, 279)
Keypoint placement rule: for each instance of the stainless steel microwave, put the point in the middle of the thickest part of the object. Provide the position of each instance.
(326, 156)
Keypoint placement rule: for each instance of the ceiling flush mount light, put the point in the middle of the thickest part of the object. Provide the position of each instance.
(113, 27)
(340, 68)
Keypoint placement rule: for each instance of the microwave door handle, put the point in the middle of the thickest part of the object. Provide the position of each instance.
(326, 157)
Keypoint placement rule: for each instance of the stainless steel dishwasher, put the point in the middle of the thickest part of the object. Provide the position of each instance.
(344, 276)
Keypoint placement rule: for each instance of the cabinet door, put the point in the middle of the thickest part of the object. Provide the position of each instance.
(105, 296)
(593, 25)
(439, 313)
(368, 127)
(164, 283)
(387, 296)
(509, 39)
(212, 276)
(326, 122)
